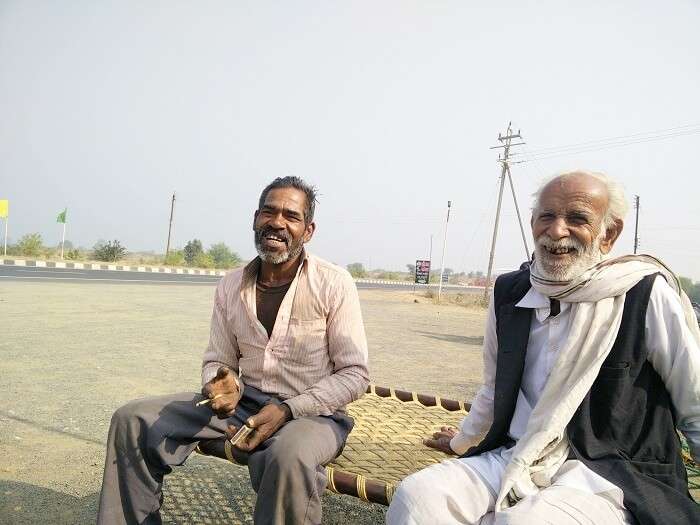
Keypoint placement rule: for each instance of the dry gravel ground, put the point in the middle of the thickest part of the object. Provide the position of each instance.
(72, 353)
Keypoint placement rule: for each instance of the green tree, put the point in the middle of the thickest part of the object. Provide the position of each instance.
(223, 257)
(192, 249)
(203, 260)
(30, 245)
(411, 268)
(357, 270)
(111, 251)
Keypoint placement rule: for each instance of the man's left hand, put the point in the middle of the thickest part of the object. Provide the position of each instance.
(265, 423)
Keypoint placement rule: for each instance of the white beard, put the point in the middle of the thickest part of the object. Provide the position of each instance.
(584, 258)
(278, 258)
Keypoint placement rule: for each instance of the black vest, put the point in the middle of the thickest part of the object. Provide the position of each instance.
(624, 430)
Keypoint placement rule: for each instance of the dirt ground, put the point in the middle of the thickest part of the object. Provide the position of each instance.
(70, 354)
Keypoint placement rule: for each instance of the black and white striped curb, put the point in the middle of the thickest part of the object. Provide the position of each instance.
(410, 283)
(105, 266)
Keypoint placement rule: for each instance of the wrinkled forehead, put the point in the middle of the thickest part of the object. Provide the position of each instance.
(286, 199)
(570, 192)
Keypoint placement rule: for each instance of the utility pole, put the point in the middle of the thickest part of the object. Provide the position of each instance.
(444, 249)
(636, 223)
(506, 143)
(170, 225)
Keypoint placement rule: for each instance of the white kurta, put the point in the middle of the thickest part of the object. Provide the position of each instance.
(673, 353)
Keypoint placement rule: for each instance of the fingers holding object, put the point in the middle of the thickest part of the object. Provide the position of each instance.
(230, 431)
(209, 399)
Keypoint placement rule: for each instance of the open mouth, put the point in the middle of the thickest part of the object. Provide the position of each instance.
(274, 240)
(560, 250)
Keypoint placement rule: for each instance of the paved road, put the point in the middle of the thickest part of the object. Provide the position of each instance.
(31, 273)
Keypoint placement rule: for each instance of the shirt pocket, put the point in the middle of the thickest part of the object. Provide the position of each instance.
(307, 340)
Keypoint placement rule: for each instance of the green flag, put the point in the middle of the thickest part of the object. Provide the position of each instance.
(62, 216)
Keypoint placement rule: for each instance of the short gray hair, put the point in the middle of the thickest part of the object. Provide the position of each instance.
(617, 202)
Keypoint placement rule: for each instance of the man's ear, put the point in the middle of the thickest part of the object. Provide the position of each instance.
(255, 217)
(611, 235)
(309, 231)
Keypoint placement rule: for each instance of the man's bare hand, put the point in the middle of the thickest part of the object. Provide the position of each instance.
(441, 440)
(223, 391)
(264, 424)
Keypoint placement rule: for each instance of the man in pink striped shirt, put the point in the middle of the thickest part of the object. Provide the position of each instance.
(287, 351)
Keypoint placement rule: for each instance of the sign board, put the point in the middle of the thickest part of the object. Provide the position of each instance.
(445, 278)
(422, 272)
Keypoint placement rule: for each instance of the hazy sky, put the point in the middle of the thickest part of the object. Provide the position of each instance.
(388, 107)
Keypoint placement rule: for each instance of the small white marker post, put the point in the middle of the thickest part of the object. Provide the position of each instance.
(5, 250)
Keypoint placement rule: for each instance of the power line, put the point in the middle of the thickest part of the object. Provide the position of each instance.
(571, 150)
(677, 129)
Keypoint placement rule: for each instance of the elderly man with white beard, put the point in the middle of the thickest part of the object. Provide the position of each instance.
(591, 364)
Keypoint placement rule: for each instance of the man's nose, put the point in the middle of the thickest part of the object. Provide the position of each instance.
(276, 221)
(558, 229)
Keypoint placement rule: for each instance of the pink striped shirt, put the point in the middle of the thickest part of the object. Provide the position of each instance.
(316, 356)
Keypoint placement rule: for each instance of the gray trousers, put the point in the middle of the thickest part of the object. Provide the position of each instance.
(147, 437)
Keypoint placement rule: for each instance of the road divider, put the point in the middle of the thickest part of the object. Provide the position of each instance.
(107, 266)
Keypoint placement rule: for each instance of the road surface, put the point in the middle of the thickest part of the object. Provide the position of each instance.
(32, 273)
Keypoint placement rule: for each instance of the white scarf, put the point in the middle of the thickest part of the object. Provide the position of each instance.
(597, 300)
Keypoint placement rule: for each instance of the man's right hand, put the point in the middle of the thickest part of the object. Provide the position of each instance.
(224, 388)
(441, 440)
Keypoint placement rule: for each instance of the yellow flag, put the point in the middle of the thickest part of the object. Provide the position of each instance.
(4, 208)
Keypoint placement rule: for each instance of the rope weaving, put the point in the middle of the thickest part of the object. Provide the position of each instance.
(386, 443)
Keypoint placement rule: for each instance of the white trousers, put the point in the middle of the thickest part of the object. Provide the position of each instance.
(456, 491)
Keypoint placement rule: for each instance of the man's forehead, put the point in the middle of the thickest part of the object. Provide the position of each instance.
(285, 198)
(574, 191)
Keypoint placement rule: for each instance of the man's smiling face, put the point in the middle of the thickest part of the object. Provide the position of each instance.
(280, 225)
(568, 226)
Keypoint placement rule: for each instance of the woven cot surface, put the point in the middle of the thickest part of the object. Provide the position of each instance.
(386, 443)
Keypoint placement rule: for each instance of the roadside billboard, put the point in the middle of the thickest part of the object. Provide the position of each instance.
(422, 272)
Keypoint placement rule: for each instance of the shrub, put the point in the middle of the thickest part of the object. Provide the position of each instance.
(175, 258)
(30, 245)
(692, 289)
(203, 260)
(192, 249)
(111, 251)
(357, 270)
(73, 255)
(223, 257)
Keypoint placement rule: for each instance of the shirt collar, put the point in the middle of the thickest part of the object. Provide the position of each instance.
(536, 301)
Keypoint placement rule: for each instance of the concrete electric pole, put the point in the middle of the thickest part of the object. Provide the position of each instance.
(506, 143)
(444, 249)
(170, 225)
